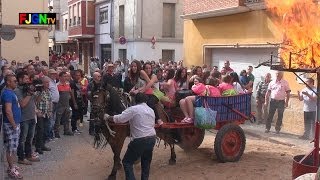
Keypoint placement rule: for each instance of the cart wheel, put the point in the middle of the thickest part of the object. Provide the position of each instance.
(229, 143)
(191, 138)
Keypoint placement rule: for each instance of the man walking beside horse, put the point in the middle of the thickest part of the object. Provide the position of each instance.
(143, 136)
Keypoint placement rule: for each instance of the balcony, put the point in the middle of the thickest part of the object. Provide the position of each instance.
(253, 1)
(255, 4)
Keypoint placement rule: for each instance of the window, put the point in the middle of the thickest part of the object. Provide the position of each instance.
(167, 55)
(105, 51)
(66, 24)
(70, 22)
(79, 13)
(57, 25)
(122, 54)
(121, 20)
(168, 20)
(103, 18)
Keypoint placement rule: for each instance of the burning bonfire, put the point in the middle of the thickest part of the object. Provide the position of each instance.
(299, 21)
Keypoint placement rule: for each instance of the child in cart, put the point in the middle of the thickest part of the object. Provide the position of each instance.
(199, 89)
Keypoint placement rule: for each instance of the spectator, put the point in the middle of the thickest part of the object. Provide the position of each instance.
(78, 103)
(63, 107)
(262, 110)
(236, 83)
(309, 99)
(227, 68)
(54, 92)
(279, 92)
(250, 77)
(93, 86)
(13, 66)
(111, 78)
(26, 99)
(93, 65)
(181, 79)
(11, 124)
(43, 112)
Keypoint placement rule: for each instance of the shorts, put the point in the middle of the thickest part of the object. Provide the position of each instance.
(11, 137)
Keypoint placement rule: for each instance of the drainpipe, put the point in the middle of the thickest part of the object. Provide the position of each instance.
(111, 30)
(141, 19)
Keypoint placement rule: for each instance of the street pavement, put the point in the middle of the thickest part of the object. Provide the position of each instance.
(62, 148)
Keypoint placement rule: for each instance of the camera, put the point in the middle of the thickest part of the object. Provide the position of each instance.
(35, 86)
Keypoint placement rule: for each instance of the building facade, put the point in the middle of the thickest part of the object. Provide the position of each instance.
(58, 36)
(103, 40)
(242, 32)
(148, 30)
(30, 40)
(81, 29)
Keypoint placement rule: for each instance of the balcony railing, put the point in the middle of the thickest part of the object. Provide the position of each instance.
(253, 1)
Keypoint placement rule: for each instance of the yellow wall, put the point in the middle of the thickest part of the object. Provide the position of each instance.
(246, 28)
(24, 47)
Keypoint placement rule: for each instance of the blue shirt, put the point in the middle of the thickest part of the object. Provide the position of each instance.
(9, 96)
(244, 80)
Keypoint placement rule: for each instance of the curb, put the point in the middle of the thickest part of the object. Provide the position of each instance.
(269, 139)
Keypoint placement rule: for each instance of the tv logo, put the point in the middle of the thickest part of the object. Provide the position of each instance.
(37, 18)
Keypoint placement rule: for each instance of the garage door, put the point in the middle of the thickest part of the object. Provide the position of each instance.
(241, 58)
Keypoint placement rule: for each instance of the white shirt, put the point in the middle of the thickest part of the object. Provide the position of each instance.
(53, 88)
(308, 104)
(238, 88)
(141, 119)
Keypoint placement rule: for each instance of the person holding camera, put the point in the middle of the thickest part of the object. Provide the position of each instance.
(43, 112)
(26, 99)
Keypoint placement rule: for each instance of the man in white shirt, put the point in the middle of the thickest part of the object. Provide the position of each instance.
(309, 99)
(143, 136)
(55, 98)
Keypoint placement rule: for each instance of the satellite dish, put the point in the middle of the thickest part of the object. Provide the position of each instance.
(7, 33)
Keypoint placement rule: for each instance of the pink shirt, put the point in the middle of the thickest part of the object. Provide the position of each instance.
(214, 92)
(278, 89)
(225, 86)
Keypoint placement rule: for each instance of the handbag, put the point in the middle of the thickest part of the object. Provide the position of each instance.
(205, 118)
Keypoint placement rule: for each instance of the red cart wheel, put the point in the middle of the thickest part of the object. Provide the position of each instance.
(229, 143)
(191, 138)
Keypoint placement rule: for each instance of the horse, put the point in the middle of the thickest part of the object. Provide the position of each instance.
(109, 101)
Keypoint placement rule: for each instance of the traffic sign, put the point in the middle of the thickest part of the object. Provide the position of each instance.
(7, 32)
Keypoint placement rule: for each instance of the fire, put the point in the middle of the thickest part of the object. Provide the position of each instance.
(299, 21)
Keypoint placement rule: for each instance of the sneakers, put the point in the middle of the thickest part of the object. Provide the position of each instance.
(45, 148)
(76, 132)
(14, 173)
(187, 120)
(33, 159)
(24, 162)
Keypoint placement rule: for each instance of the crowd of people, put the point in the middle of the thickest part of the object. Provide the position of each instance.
(37, 98)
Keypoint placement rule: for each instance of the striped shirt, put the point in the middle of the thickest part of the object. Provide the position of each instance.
(44, 105)
(262, 89)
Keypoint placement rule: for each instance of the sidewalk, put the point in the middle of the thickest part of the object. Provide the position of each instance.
(284, 138)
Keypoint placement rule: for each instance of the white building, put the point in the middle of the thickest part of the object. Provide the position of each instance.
(103, 41)
(58, 36)
(138, 21)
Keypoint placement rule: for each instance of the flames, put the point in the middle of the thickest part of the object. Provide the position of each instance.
(299, 22)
